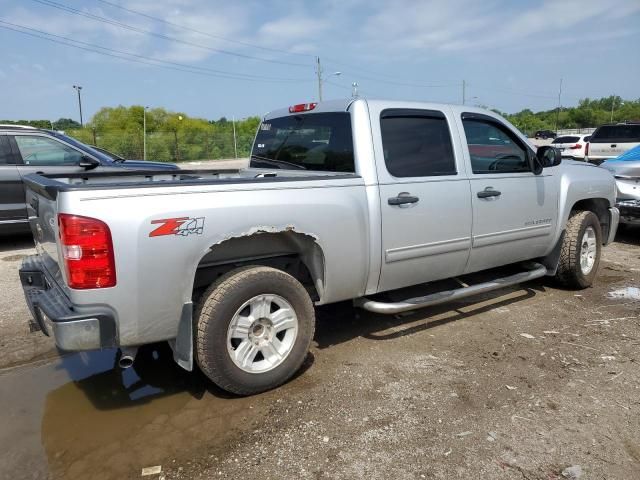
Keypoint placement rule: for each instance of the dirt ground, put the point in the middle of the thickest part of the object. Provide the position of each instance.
(527, 382)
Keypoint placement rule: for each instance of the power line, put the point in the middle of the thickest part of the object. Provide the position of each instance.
(132, 57)
(200, 32)
(132, 28)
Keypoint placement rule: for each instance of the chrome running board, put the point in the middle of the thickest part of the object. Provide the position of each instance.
(535, 270)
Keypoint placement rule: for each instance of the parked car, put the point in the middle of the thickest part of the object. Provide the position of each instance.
(609, 141)
(544, 134)
(25, 150)
(571, 146)
(343, 200)
(626, 170)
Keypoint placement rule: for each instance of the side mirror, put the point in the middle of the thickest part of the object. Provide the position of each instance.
(546, 156)
(88, 163)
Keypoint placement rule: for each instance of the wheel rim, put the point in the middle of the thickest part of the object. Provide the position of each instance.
(588, 251)
(262, 333)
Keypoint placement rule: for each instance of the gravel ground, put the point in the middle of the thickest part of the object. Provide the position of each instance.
(528, 382)
(17, 346)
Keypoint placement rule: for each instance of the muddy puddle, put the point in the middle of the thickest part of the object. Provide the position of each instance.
(78, 417)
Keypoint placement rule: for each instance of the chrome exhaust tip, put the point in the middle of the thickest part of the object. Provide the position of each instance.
(127, 357)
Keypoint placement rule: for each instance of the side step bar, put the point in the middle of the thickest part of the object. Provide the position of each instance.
(534, 270)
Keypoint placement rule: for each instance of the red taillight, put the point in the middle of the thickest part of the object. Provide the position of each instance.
(586, 149)
(88, 252)
(575, 147)
(302, 107)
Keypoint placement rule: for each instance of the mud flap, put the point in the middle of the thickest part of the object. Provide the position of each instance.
(552, 260)
(182, 345)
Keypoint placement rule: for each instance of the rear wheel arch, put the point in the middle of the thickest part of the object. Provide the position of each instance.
(298, 254)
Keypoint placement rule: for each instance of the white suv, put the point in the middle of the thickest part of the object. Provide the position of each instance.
(609, 141)
(572, 146)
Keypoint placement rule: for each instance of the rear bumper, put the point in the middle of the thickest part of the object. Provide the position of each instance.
(629, 211)
(74, 328)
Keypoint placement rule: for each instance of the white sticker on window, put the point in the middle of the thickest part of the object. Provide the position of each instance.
(265, 126)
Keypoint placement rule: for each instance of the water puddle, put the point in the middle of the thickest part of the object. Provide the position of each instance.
(78, 417)
(632, 293)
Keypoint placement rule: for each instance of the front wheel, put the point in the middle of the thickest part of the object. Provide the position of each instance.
(254, 328)
(581, 250)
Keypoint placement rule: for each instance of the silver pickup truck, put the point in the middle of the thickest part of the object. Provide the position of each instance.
(343, 200)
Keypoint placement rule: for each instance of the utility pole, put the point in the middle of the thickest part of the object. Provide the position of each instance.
(78, 88)
(235, 142)
(613, 104)
(464, 91)
(319, 74)
(144, 132)
(559, 103)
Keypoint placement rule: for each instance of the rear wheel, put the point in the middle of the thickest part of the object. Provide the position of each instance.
(581, 250)
(254, 329)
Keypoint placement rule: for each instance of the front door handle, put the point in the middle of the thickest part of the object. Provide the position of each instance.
(489, 192)
(402, 199)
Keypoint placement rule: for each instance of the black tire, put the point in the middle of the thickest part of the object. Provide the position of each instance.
(216, 310)
(569, 272)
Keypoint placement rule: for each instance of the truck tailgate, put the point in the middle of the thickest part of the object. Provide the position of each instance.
(43, 220)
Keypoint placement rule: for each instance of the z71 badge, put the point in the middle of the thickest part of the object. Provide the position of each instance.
(178, 226)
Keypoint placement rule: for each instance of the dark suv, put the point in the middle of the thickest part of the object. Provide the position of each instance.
(25, 150)
(544, 134)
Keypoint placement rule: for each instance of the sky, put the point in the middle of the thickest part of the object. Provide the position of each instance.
(210, 58)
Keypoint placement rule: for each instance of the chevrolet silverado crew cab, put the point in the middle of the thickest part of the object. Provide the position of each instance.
(343, 200)
(25, 150)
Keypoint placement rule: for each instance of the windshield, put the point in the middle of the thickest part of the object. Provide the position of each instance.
(312, 141)
(84, 147)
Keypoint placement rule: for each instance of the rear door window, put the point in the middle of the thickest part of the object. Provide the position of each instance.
(617, 134)
(39, 150)
(416, 143)
(311, 141)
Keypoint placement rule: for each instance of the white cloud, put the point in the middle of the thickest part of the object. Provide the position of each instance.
(408, 26)
(296, 32)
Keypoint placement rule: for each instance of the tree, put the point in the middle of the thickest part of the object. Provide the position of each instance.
(65, 124)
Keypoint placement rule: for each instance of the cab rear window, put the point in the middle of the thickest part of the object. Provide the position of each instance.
(617, 134)
(310, 141)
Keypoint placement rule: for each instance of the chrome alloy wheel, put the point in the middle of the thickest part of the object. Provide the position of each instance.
(262, 333)
(588, 251)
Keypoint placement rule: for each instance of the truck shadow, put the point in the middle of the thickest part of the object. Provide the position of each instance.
(342, 322)
(628, 235)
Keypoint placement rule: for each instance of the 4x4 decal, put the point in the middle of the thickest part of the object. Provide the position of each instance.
(178, 226)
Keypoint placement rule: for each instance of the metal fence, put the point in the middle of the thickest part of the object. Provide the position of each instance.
(575, 131)
(169, 146)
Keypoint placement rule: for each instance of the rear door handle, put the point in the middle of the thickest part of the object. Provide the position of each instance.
(489, 192)
(402, 199)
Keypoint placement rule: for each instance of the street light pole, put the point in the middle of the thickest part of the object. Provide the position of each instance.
(77, 89)
(320, 79)
(144, 133)
(613, 104)
(235, 141)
